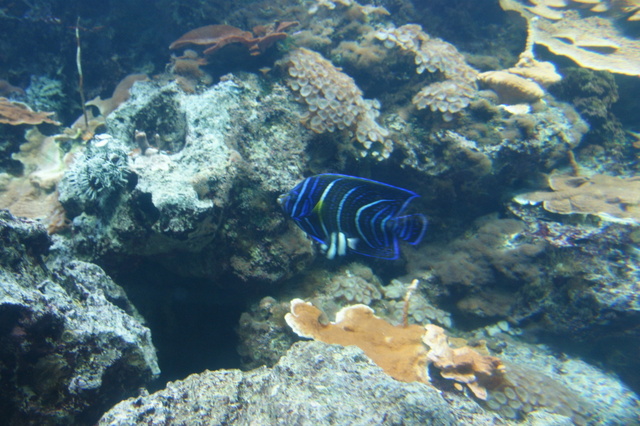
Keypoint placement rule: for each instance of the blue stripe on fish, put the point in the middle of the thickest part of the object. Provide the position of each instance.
(346, 213)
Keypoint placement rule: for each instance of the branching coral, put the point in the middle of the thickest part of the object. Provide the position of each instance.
(433, 54)
(335, 102)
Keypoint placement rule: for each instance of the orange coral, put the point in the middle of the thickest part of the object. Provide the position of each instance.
(218, 36)
(402, 352)
(464, 365)
(18, 113)
(397, 350)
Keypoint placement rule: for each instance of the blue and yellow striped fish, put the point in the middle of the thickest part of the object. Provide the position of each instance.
(346, 213)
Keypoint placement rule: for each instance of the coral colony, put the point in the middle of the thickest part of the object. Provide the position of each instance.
(233, 228)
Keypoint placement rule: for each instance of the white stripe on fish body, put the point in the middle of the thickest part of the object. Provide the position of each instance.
(338, 245)
(342, 244)
(339, 212)
(358, 227)
(298, 198)
(331, 253)
(320, 201)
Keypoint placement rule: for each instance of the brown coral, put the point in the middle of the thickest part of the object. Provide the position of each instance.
(609, 197)
(18, 113)
(7, 88)
(464, 365)
(397, 350)
(403, 352)
(215, 37)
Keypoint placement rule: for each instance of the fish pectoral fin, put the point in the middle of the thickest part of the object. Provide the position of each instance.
(352, 243)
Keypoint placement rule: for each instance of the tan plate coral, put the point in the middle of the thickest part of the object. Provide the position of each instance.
(611, 198)
(593, 42)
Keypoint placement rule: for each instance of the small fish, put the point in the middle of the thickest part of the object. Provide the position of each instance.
(346, 213)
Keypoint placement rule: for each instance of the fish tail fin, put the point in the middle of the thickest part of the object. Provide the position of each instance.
(410, 228)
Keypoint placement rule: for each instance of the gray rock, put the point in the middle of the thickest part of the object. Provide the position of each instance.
(218, 162)
(314, 383)
(71, 343)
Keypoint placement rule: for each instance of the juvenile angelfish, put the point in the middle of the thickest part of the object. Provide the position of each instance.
(351, 214)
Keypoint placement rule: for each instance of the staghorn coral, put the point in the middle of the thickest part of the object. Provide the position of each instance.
(335, 102)
(591, 41)
(15, 113)
(611, 198)
(433, 54)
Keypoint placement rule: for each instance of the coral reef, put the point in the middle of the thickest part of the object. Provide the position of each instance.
(263, 333)
(511, 88)
(334, 102)
(512, 390)
(120, 94)
(34, 193)
(398, 350)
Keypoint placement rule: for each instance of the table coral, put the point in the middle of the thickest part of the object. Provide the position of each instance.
(591, 41)
(611, 198)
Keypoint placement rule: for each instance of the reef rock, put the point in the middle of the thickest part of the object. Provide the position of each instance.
(314, 383)
(71, 343)
(202, 189)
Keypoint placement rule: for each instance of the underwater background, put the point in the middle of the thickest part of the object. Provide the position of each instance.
(166, 257)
